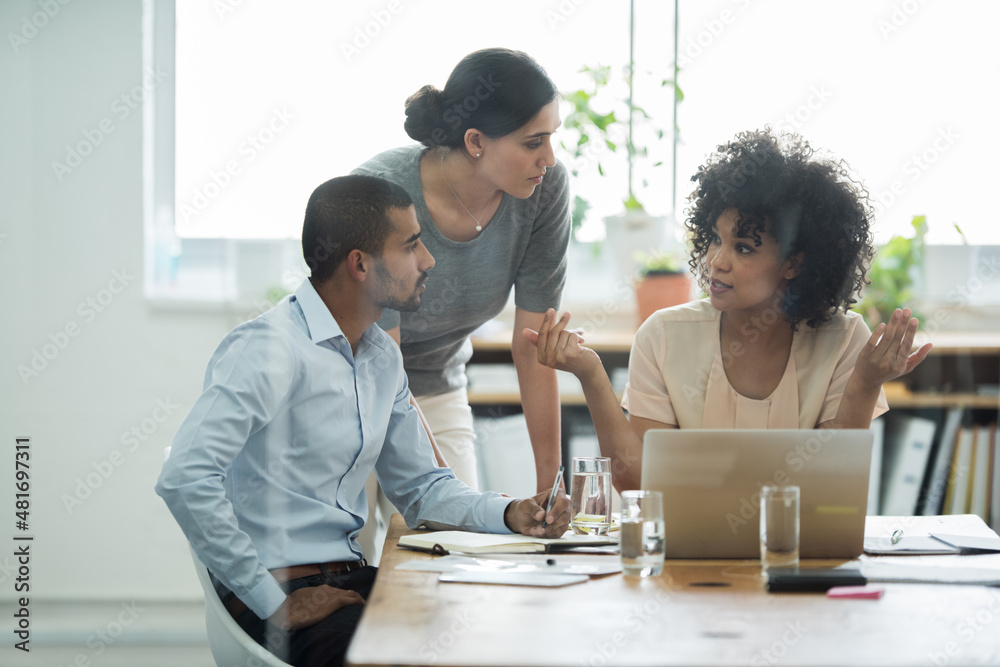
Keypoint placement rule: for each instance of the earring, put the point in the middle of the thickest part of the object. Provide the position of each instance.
(478, 154)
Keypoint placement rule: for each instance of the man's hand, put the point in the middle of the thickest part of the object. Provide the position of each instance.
(560, 348)
(309, 606)
(525, 516)
(887, 356)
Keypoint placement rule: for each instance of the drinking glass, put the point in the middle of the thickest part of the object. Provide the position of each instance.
(642, 533)
(590, 499)
(779, 526)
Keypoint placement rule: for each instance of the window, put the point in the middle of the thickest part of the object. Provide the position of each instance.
(272, 99)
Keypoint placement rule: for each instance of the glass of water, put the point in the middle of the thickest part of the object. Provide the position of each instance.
(642, 533)
(779, 526)
(590, 497)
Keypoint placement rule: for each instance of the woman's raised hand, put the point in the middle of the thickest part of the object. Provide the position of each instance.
(560, 348)
(887, 355)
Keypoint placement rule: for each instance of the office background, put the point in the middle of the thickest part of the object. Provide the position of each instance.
(97, 373)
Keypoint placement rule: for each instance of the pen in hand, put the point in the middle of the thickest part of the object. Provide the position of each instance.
(552, 496)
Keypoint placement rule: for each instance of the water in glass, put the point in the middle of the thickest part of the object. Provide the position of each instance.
(642, 548)
(591, 503)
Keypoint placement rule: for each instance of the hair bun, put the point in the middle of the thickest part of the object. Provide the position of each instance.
(423, 114)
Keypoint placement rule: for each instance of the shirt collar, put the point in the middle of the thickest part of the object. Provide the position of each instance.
(323, 326)
(320, 322)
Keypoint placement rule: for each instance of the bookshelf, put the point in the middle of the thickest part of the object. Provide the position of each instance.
(958, 365)
(961, 373)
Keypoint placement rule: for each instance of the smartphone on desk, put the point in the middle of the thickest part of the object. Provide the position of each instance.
(812, 580)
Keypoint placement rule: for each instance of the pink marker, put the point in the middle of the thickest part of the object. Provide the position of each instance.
(856, 592)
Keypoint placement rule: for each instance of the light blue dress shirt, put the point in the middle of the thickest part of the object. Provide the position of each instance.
(269, 468)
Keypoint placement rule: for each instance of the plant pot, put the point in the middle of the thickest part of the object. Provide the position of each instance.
(630, 233)
(661, 290)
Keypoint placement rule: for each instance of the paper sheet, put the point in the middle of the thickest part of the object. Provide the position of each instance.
(589, 566)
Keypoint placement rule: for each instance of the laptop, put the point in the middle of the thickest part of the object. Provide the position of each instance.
(711, 479)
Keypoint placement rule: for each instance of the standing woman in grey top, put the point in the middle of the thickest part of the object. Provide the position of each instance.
(493, 207)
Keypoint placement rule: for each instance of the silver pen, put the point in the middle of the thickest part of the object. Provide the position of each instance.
(552, 496)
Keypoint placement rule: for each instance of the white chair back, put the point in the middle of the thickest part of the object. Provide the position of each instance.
(231, 647)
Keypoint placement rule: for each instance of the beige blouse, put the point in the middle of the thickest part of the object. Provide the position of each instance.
(676, 376)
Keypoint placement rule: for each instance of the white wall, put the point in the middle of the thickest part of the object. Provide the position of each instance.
(63, 242)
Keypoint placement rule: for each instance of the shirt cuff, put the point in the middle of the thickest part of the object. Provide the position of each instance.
(265, 598)
(494, 515)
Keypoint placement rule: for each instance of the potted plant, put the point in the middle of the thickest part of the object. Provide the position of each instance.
(661, 282)
(892, 275)
(597, 134)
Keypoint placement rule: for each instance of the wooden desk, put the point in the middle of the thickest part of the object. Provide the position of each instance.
(412, 619)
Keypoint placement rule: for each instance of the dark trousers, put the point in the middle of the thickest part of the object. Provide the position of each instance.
(321, 645)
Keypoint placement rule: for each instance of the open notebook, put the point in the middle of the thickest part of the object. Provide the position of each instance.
(446, 541)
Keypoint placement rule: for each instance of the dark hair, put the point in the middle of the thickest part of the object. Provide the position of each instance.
(495, 91)
(807, 203)
(344, 214)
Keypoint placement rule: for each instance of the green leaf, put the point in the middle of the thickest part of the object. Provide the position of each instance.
(580, 208)
(602, 121)
(958, 229)
(632, 204)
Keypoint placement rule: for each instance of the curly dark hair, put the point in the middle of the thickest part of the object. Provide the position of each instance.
(807, 203)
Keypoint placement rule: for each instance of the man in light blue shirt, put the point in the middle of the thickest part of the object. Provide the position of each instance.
(266, 475)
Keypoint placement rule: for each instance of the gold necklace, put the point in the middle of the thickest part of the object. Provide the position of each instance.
(479, 225)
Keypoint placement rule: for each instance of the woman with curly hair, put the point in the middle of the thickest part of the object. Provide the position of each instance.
(781, 244)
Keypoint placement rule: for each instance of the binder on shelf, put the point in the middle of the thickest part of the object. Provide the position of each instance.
(979, 502)
(957, 495)
(907, 447)
(932, 497)
(995, 482)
